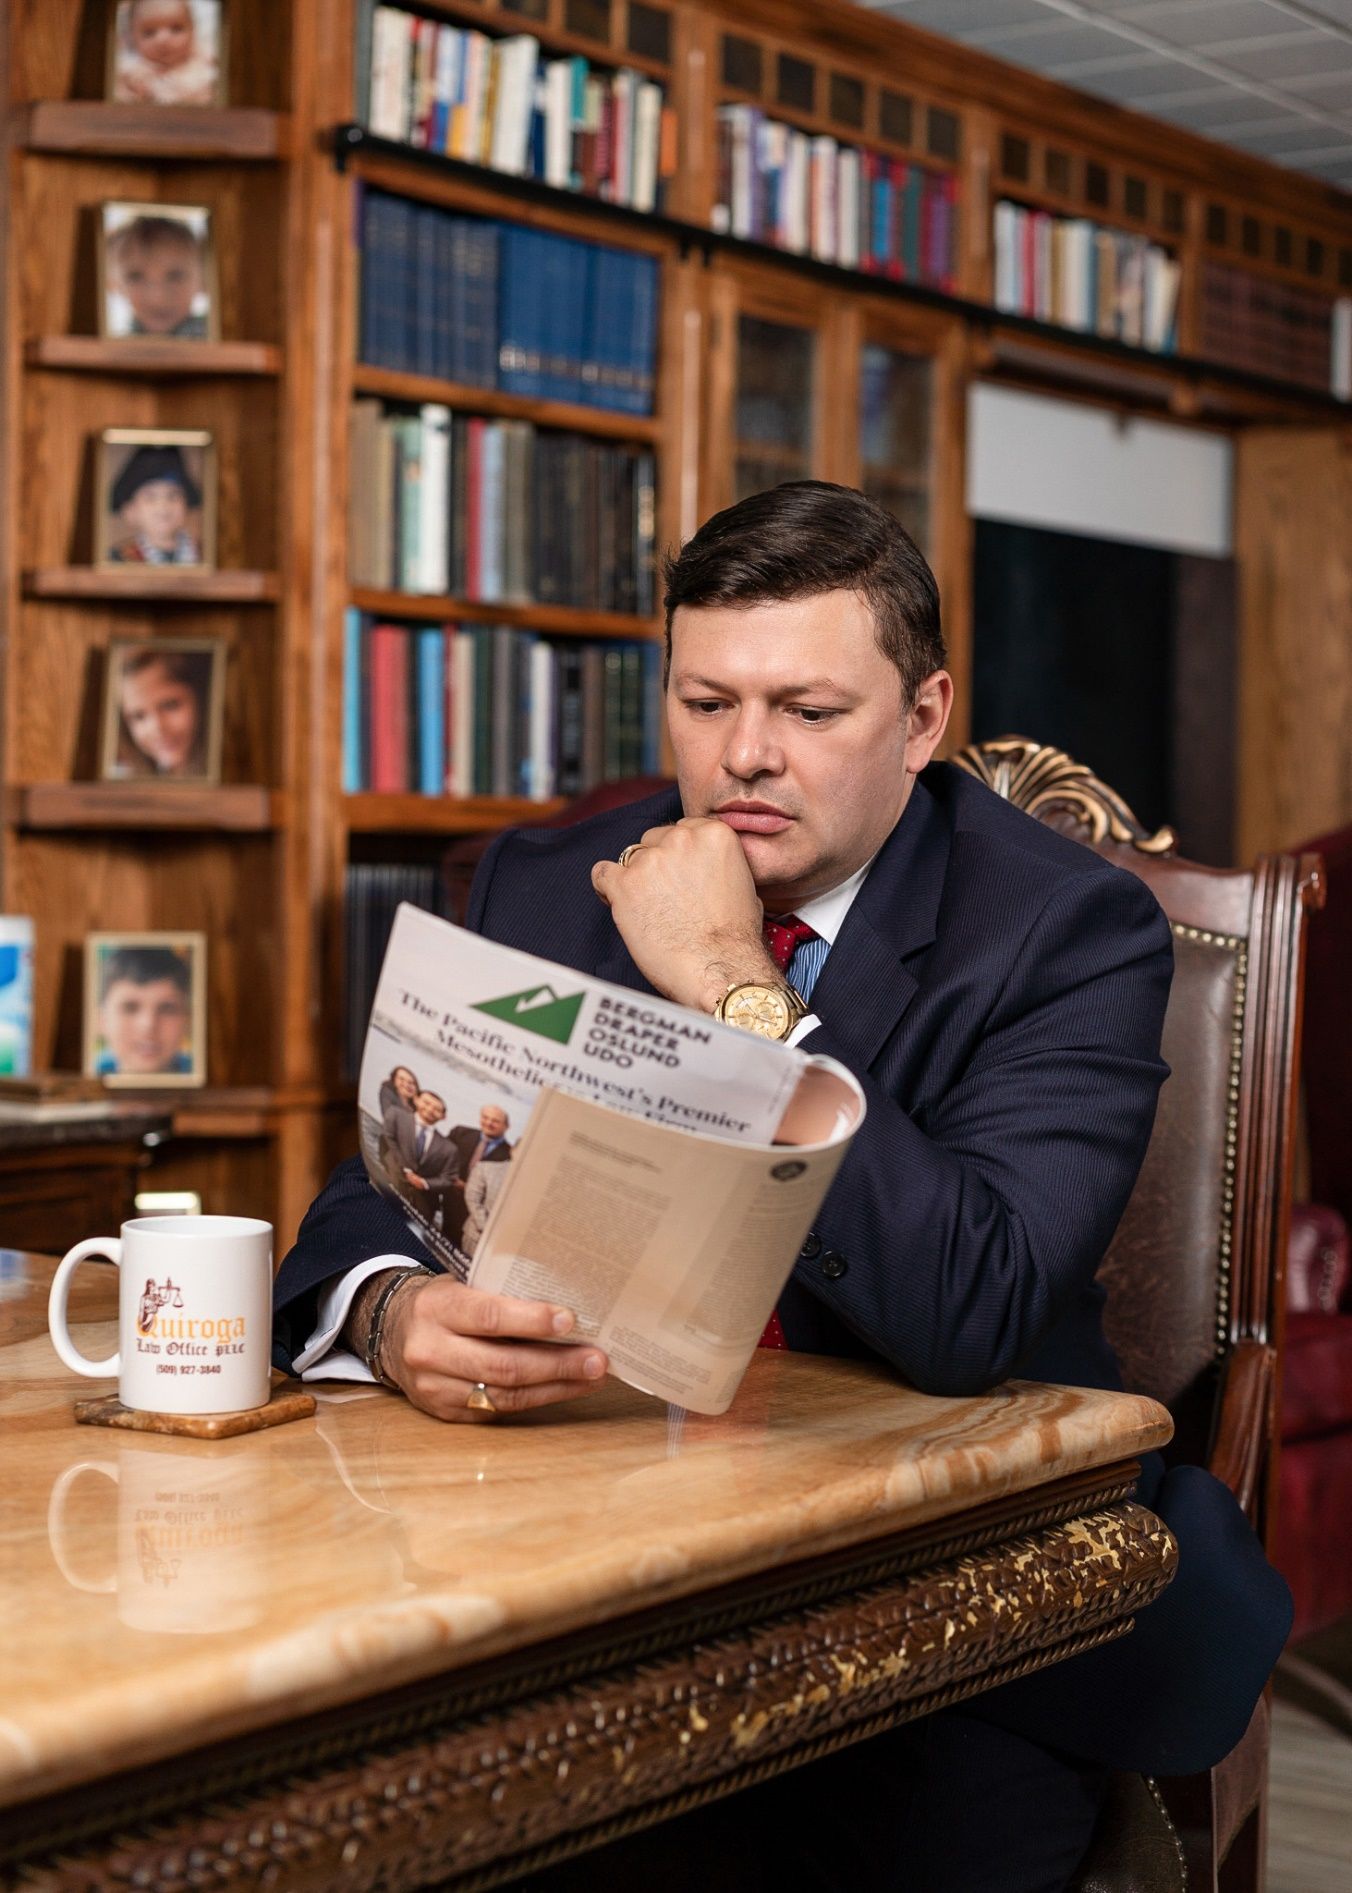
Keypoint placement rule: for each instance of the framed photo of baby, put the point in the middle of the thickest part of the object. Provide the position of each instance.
(167, 52)
(157, 272)
(145, 1008)
(162, 705)
(155, 502)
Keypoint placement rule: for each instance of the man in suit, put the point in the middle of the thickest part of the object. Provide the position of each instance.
(420, 1161)
(999, 991)
(488, 1144)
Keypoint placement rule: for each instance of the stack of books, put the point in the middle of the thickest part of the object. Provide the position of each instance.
(492, 710)
(1275, 328)
(817, 197)
(1071, 271)
(495, 305)
(498, 102)
(450, 505)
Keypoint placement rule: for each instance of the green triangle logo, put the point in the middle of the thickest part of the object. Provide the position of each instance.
(539, 1009)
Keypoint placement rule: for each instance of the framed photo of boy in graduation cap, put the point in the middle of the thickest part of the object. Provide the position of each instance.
(156, 499)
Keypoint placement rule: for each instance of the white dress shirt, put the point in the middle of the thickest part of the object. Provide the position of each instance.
(324, 1358)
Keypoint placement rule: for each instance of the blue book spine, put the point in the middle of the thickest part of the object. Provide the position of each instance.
(353, 779)
(425, 290)
(431, 709)
(643, 330)
(519, 268)
(488, 245)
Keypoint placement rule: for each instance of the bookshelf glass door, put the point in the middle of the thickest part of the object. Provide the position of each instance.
(896, 433)
(776, 371)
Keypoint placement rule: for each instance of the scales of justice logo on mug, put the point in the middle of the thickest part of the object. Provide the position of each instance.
(194, 1313)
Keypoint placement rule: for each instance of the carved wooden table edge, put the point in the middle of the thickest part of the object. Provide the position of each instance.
(476, 1777)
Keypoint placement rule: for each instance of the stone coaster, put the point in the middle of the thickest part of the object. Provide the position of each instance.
(287, 1403)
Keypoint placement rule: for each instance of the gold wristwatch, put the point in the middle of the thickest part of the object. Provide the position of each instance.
(773, 1011)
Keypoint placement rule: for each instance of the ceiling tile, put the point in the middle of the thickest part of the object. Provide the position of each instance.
(1237, 108)
(1321, 52)
(1055, 43)
(956, 18)
(1291, 140)
(1204, 22)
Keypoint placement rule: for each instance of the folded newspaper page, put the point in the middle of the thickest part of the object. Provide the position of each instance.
(549, 1135)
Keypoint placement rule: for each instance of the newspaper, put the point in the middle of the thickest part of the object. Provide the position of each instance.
(549, 1135)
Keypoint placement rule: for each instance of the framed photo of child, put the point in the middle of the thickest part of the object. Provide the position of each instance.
(157, 272)
(162, 704)
(156, 498)
(145, 1008)
(167, 52)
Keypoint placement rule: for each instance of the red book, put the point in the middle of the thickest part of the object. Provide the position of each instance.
(389, 709)
(1029, 241)
(896, 210)
(474, 507)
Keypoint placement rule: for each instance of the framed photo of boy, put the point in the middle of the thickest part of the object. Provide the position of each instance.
(162, 705)
(166, 52)
(145, 1008)
(155, 498)
(157, 272)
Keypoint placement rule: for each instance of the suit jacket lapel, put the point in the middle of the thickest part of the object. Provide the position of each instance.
(865, 986)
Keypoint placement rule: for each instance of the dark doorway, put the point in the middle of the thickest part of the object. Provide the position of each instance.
(1123, 656)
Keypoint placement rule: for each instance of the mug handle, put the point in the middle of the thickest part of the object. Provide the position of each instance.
(56, 1522)
(111, 1248)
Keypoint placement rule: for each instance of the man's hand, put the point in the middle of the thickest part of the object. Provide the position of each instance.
(687, 910)
(440, 1337)
(413, 1177)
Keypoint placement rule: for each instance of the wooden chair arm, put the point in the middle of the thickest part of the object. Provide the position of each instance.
(1237, 1449)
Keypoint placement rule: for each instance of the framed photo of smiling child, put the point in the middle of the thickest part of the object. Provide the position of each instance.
(145, 1008)
(157, 272)
(162, 710)
(166, 52)
(155, 499)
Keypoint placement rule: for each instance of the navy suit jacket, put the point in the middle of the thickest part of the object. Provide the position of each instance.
(999, 990)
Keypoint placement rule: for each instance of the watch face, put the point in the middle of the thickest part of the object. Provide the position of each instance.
(759, 1009)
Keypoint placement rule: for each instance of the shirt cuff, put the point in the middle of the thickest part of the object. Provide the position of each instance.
(803, 1027)
(320, 1358)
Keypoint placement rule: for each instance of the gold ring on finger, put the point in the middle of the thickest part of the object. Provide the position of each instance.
(480, 1399)
(627, 854)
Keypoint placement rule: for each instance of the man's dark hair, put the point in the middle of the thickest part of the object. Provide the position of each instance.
(809, 536)
(142, 965)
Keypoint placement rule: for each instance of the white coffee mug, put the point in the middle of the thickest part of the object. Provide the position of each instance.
(194, 1313)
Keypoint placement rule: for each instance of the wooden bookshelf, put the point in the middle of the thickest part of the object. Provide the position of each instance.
(573, 417)
(441, 815)
(152, 355)
(148, 584)
(771, 364)
(89, 128)
(146, 806)
(576, 621)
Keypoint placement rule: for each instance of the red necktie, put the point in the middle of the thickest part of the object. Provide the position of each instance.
(783, 937)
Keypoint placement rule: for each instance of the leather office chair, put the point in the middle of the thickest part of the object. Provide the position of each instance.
(1194, 1273)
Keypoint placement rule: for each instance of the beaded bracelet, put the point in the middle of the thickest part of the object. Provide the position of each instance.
(375, 1333)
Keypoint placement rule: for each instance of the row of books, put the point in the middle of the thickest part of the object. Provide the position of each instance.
(1072, 271)
(498, 102)
(1275, 328)
(451, 505)
(817, 197)
(372, 893)
(496, 305)
(492, 710)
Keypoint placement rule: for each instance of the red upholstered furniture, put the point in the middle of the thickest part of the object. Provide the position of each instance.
(1314, 1513)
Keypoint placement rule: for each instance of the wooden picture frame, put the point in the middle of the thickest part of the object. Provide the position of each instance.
(166, 52)
(157, 273)
(145, 1007)
(162, 711)
(130, 459)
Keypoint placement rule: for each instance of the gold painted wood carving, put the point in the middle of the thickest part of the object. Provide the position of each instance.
(484, 1799)
(1037, 779)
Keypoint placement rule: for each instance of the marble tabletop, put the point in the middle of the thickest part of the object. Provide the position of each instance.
(173, 1592)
